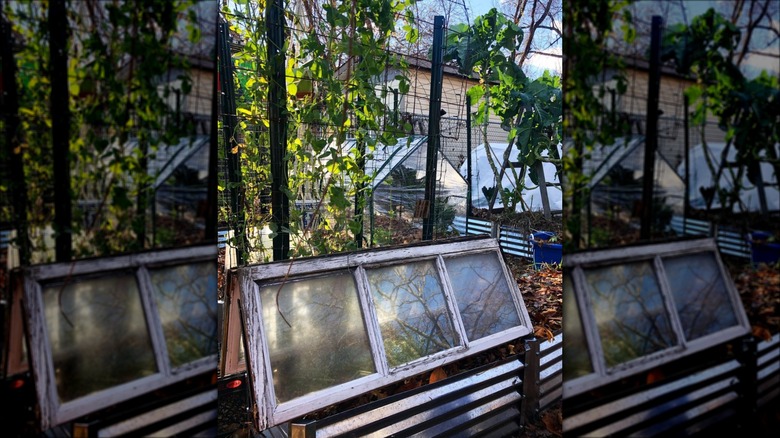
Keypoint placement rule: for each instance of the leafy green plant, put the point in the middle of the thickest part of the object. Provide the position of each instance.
(529, 109)
(122, 75)
(444, 215)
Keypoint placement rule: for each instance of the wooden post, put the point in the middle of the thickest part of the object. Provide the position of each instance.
(543, 189)
(531, 383)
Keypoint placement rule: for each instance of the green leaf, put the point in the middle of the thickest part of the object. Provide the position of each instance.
(338, 198)
(120, 199)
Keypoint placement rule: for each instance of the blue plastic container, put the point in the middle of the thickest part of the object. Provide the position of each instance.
(762, 251)
(544, 252)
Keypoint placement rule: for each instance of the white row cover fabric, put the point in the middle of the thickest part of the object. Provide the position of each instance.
(482, 176)
(702, 176)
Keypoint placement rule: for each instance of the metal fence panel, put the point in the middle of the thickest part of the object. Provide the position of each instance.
(512, 240)
(730, 241)
(768, 370)
(655, 409)
(451, 407)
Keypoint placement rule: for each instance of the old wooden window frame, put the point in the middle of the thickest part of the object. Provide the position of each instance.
(51, 411)
(653, 253)
(269, 413)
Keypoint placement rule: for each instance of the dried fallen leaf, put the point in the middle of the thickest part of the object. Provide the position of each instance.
(553, 421)
(542, 332)
(762, 333)
(437, 374)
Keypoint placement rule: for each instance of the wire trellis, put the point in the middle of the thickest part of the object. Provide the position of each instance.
(406, 115)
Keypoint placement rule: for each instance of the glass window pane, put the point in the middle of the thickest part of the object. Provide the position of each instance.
(98, 334)
(186, 297)
(316, 334)
(576, 359)
(482, 293)
(700, 294)
(629, 311)
(412, 311)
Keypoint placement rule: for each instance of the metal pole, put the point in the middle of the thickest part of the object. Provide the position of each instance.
(60, 127)
(10, 109)
(531, 382)
(277, 115)
(213, 180)
(651, 141)
(371, 219)
(687, 180)
(360, 195)
(395, 107)
(225, 72)
(468, 161)
(434, 126)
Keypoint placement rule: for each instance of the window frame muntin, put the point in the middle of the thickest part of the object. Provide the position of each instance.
(269, 413)
(41, 365)
(602, 375)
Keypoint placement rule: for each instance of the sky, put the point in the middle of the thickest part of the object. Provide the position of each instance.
(480, 7)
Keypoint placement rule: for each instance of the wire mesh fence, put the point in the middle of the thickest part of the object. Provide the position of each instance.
(351, 105)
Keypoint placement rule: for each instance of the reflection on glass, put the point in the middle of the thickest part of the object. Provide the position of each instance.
(316, 335)
(483, 295)
(412, 311)
(700, 294)
(98, 334)
(576, 359)
(186, 297)
(629, 311)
